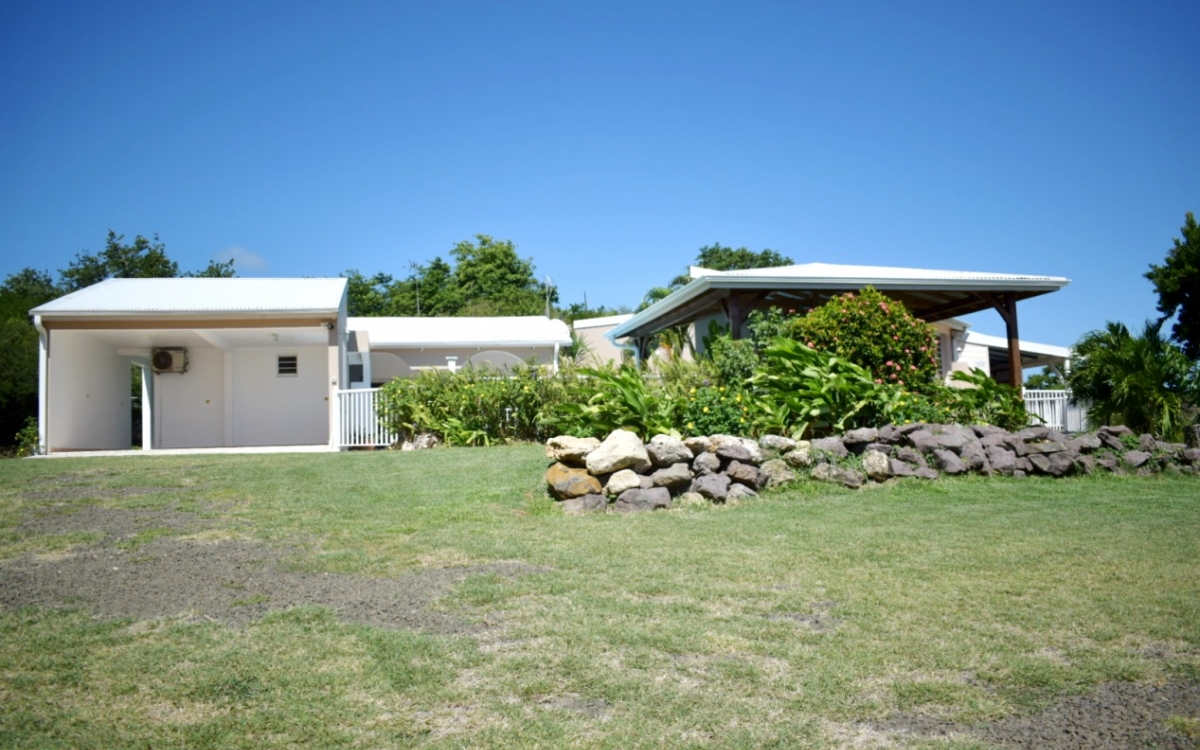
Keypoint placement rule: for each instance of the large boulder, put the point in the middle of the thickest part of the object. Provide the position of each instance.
(631, 501)
(948, 462)
(565, 482)
(845, 477)
(777, 443)
(570, 450)
(830, 446)
(774, 473)
(912, 456)
(622, 480)
(800, 458)
(715, 487)
(923, 441)
(665, 450)
(706, 463)
(733, 452)
(973, 455)
(1136, 459)
(620, 450)
(738, 492)
(1001, 459)
(742, 473)
(876, 465)
(751, 446)
(856, 441)
(675, 477)
(585, 504)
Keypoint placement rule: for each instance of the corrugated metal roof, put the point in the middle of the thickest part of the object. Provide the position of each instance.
(832, 276)
(882, 274)
(533, 330)
(609, 320)
(200, 295)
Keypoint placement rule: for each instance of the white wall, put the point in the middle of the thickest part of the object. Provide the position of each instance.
(88, 406)
(189, 408)
(270, 409)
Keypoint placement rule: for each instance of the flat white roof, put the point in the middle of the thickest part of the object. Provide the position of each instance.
(610, 320)
(395, 333)
(1027, 347)
(200, 295)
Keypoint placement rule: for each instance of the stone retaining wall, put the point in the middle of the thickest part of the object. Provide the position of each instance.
(625, 475)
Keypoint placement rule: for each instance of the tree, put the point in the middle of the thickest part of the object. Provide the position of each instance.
(1046, 380)
(144, 259)
(494, 280)
(1144, 382)
(1178, 285)
(214, 270)
(716, 257)
(19, 293)
(367, 297)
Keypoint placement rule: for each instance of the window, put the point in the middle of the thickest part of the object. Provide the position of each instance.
(288, 365)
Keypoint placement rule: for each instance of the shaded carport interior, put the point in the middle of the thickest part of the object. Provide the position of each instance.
(931, 295)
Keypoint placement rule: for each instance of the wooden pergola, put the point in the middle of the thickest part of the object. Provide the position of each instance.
(929, 295)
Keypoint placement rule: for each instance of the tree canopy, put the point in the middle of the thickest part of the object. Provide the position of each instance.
(717, 257)
(1177, 282)
(487, 278)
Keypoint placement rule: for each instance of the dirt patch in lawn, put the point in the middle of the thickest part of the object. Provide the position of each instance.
(229, 581)
(1115, 715)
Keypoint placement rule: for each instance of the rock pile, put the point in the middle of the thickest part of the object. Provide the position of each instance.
(623, 473)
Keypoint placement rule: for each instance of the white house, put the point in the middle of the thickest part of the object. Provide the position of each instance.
(245, 362)
(225, 362)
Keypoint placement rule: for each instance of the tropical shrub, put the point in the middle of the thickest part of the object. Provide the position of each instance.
(27, 439)
(874, 332)
(985, 402)
(711, 410)
(733, 361)
(617, 398)
(476, 406)
(801, 391)
(1143, 382)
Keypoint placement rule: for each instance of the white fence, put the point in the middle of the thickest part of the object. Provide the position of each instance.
(1056, 410)
(359, 425)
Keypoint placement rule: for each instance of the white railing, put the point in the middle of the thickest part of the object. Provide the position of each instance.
(359, 425)
(1056, 411)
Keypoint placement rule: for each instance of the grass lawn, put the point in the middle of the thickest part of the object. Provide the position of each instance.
(798, 619)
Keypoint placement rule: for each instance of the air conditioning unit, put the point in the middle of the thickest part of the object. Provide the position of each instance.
(173, 359)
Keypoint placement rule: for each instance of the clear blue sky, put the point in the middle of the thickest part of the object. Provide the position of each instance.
(612, 140)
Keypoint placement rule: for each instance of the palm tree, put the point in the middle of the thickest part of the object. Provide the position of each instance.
(1144, 382)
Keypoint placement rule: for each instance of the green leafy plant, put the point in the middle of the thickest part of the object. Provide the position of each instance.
(985, 401)
(622, 398)
(1144, 382)
(712, 410)
(802, 390)
(28, 443)
(477, 406)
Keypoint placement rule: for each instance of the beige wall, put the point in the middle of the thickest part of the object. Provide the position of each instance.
(89, 385)
(189, 408)
(270, 409)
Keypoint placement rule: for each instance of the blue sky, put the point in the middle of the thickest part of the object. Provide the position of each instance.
(612, 140)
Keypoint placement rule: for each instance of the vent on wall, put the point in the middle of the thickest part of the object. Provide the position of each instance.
(169, 360)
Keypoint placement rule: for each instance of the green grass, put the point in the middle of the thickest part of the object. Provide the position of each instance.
(968, 599)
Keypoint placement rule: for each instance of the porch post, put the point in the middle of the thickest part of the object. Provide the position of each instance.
(1006, 305)
(147, 407)
(43, 387)
(733, 311)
